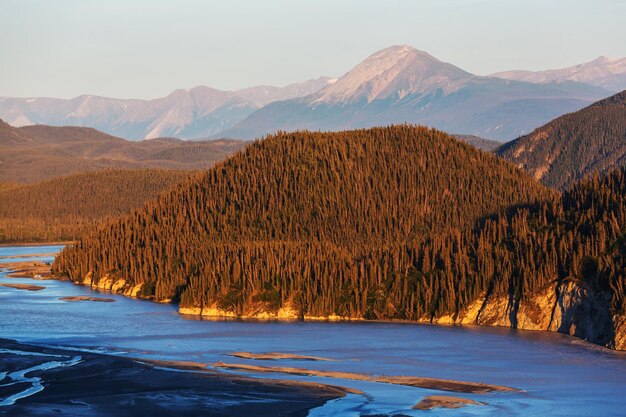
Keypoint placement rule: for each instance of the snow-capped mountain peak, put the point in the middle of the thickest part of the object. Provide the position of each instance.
(392, 72)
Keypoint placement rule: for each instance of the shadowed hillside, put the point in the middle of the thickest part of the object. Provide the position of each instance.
(575, 145)
(558, 265)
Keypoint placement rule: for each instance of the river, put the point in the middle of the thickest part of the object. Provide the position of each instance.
(558, 375)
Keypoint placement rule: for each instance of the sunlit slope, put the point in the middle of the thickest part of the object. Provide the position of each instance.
(321, 223)
(64, 208)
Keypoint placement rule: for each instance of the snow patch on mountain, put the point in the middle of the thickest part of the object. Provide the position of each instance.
(609, 73)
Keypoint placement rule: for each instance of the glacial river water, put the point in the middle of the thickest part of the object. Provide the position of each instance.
(559, 375)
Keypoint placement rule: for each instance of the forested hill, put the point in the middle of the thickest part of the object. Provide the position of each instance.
(322, 220)
(388, 223)
(64, 208)
(574, 145)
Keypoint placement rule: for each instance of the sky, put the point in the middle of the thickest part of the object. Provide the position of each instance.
(148, 48)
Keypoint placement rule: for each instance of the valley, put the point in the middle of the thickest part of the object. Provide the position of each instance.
(36, 153)
(312, 209)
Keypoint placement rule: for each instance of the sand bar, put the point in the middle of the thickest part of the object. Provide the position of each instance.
(412, 381)
(444, 401)
(25, 287)
(77, 298)
(30, 269)
(277, 356)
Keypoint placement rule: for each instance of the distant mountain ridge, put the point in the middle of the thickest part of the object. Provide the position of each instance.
(399, 84)
(199, 112)
(603, 72)
(478, 142)
(574, 145)
(393, 73)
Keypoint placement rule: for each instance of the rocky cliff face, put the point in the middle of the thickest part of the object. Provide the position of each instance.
(114, 285)
(567, 307)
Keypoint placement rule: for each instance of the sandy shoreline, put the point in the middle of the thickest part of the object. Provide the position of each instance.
(23, 244)
(39, 270)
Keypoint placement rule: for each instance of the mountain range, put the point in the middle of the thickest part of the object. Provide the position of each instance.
(608, 73)
(395, 85)
(401, 84)
(199, 112)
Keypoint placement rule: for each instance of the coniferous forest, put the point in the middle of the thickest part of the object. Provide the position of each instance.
(62, 209)
(399, 222)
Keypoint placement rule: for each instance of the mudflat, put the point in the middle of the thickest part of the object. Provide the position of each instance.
(104, 385)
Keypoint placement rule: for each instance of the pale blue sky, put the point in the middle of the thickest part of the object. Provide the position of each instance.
(147, 48)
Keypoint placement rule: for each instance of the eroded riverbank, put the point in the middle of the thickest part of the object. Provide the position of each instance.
(559, 375)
